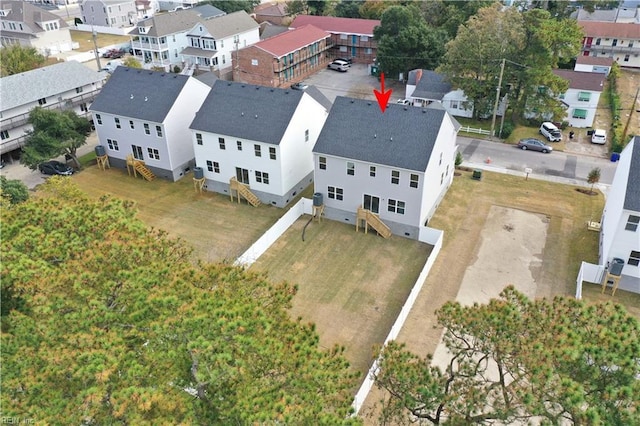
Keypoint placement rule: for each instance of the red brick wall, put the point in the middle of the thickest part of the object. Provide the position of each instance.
(361, 56)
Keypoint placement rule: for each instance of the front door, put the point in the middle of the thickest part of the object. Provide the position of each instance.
(242, 175)
(137, 152)
(371, 203)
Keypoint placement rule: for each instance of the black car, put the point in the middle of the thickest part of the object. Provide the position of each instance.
(55, 168)
(299, 86)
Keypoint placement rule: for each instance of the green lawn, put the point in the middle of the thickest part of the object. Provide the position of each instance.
(85, 39)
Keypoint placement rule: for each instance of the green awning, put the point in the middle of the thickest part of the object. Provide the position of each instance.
(584, 96)
(579, 113)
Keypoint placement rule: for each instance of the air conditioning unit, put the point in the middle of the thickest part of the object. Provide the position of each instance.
(615, 266)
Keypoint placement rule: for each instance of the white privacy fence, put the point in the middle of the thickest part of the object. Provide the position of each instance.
(590, 273)
(434, 237)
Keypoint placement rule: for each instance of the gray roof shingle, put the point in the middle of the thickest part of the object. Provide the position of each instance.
(247, 111)
(632, 197)
(29, 86)
(164, 24)
(231, 24)
(141, 94)
(30, 15)
(402, 137)
(430, 85)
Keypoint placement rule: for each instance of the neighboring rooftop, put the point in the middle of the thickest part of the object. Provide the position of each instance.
(403, 137)
(207, 11)
(594, 60)
(163, 24)
(621, 14)
(292, 40)
(29, 86)
(610, 30)
(338, 25)
(142, 94)
(632, 196)
(429, 84)
(278, 10)
(247, 111)
(583, 80)
(231, 24)
(268, 30)
(209, 78)
(29, 15)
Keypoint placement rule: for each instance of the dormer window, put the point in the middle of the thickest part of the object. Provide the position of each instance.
(5, 12)
(143, 30)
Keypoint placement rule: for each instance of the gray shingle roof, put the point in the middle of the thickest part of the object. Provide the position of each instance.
(319, 97)
(29, 86)
(30, 15)
(402, 137)
(207, 11)
(247, 111)
(431, 85)
(141, 94)
(231, 24)
(164, 24)
(632, 197)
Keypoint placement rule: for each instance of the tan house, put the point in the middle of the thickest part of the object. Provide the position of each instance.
(619, 41)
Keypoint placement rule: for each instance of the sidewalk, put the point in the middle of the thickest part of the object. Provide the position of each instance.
(33, 178)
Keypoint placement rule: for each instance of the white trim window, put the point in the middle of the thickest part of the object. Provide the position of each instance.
(395, 206)
(335, 193)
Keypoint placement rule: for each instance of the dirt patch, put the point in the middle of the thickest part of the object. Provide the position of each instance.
(628, 84)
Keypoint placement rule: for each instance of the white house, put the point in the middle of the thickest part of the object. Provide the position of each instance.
(109, 13)
(211, 42)
(147, 114)
(65, 85)
(397, 164)
(425, 87)
(581, 99)
(620, 223)
(28, 25)
(261, 136)
(593, 64)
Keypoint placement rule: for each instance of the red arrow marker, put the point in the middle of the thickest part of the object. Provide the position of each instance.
(382, 96)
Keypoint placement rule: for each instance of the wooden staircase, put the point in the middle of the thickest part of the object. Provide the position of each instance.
(144, 171)
(242, 189)
(373, 220)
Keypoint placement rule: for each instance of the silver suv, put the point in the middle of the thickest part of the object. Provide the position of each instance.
(550, 131)
(339, 65)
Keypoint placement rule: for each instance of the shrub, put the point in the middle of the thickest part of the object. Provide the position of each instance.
(507, 129)
(176, 69)
(459, 159)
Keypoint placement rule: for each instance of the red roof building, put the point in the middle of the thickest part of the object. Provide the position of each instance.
(283, 59)
(352, 38)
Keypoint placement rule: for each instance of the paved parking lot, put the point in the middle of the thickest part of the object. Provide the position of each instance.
(355, 83)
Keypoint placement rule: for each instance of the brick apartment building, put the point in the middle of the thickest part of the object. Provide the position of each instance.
(351, 38)
(284, 59)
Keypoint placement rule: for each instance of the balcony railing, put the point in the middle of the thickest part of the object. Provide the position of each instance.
(149, 46)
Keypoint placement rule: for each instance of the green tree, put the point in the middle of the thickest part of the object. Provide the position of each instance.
(406, 42)
(15, 58)
(514, 359)
(449, 15)
(348, 8)
(564, 8)
(231, 6)
(106, 322)
(13, 190)
(593, 177)
(54, 133)
(297, 7)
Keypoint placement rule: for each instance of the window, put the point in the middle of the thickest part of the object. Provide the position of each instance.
(306, 135)
(322, 163)
(257, 150)
(159, 131)
(262, 177)
(78, 89)
(199, 138)
(343, 36)
(221, 143)
(213, 166)
(254, 62)
(137, 152)
(598, 41)
(413, 183)
(335, 193)
(98, 119)
(343, 48)
(351, 168)
(113, 145)
(626, 58)
(153, 153)
(395, 206)
(146, 129)
(395, 177)
(584, 96)
(632, 223)
(239, 145)
(272, 153)
(579, 113)
(4, 134)
(440, 162)
(364, 38)
(117, 120)
(42, 101)
(83, 107)
(441, 178)
(634, 258)
(372, 171)
(131, 125)
(368, 51)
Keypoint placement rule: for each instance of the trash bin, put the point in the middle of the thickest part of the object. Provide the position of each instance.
(477, 174)
(615, 156)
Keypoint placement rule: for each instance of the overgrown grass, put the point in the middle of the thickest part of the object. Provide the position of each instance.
(85, 40)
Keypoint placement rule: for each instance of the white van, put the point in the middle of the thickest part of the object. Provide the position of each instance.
(599, 136)
(111, 66)
(550, 131)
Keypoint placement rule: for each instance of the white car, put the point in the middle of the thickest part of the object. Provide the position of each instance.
(404, 101)
(339, 65)
(550, 131)
(599, 136)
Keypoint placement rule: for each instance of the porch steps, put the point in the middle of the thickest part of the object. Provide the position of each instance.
(144, 171)
(373, 220)
(243, 190)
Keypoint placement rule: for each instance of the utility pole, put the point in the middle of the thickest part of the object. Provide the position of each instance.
(633, 108)
(495, 105)
(95, 46)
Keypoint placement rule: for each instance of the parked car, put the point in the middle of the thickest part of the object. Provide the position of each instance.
(299, 86)
(404, 101)
(111, 66)
(55, 168)
(599, 136)
(347, 60)
(550, 131)
(339, 65)
(534, 145)
(113, 53)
